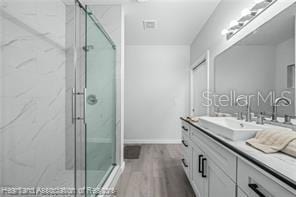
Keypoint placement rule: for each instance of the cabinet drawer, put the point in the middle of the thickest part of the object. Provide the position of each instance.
(216, 152)
(187, 162)
(186, 145)
(185, 128)
(253, 182)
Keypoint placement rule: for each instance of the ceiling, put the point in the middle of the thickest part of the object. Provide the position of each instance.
(178, 21)
(274, 32)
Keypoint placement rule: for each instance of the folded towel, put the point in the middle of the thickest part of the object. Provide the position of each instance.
(290, 149)
(193, 118)
(273, 140)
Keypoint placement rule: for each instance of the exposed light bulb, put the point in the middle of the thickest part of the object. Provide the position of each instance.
(233, 23)
(224, 32)
(259, 1)
(246, 15)
(263, 1)
(245, 12)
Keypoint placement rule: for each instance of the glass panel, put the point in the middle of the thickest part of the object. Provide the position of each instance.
(80, 84)
(36, 82)
(100, 104)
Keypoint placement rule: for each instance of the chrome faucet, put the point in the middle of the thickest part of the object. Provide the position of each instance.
(260, 118)
(276, 103)
(248, 115)
(239, 113)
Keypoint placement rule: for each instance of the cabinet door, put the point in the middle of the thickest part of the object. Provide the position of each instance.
(240, 193)
(218, 183)
(198, 182)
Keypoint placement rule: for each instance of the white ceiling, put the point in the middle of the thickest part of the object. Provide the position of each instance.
(179, 21)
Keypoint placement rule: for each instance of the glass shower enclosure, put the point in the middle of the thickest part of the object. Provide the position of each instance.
(57, 96)
(100, 102)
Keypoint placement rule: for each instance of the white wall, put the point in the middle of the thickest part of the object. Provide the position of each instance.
(156, 93)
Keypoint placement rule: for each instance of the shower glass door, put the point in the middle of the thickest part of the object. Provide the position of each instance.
(100, 103)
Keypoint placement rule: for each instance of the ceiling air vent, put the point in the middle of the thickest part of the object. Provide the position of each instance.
(149, 24)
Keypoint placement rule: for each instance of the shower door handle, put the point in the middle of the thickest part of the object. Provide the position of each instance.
(73, 107)
(84, 107)
(82, 116)
(82, 113)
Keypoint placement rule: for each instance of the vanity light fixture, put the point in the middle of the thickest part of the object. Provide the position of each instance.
(224, 32)
(261, 4)
(247, 15)
(235, 25)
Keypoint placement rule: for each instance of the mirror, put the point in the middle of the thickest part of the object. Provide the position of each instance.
(259, 68)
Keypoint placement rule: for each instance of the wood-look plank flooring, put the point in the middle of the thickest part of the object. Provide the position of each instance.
(157, 173)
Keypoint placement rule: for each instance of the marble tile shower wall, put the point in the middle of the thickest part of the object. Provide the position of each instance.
(32, 78)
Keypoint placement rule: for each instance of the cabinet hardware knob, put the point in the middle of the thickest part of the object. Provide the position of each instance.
(199, 163)
(184, 128)
(183, 142)
(183, 161)
(203, 168)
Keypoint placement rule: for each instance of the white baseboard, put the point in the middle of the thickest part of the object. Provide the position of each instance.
(152, 141)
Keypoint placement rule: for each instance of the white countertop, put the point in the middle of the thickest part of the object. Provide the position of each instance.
(280, 163)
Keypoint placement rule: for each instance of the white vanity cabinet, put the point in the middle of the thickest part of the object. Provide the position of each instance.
(214, 170)
(205, 175)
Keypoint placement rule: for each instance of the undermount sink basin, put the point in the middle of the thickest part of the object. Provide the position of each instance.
(229, 127)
